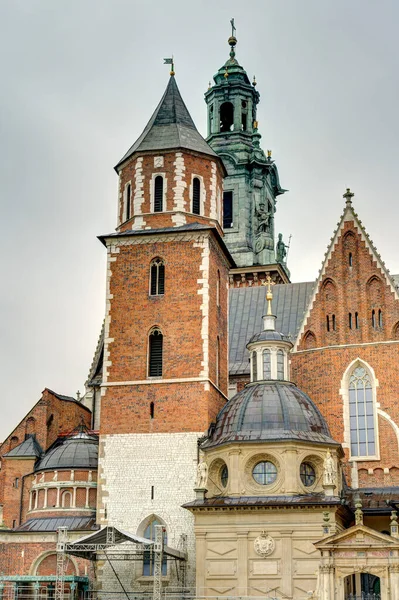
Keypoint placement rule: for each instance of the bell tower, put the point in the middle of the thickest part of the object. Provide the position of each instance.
(165, 341)
(252, 184)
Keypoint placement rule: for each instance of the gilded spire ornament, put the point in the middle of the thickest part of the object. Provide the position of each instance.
(269, 295)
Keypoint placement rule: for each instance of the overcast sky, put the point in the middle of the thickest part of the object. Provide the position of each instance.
(80, 80)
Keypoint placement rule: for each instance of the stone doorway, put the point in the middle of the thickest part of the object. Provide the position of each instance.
(362, 586)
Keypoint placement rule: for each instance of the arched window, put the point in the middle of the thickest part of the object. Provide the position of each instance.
(361, 413)
(379, 318)
(128, 200)
(254, 366)
(66, 500)
(155, 353)
(196, 195)
(148, 556)
(280, 365)
(328, 322)
(157, 277)
(350, 259)
(357, 320)
(266, 364)
(373, 318)
(226, 117)
(158, 194)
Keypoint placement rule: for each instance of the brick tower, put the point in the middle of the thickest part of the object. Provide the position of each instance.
(165, 349)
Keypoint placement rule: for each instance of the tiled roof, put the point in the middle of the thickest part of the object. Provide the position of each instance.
(305, 499)
(171, 126)
(27, 449)
(247, 307)
(78, 451)
(53, 523)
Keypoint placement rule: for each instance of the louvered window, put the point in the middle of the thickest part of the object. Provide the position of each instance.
(157, 277)
(128, 195)
(155, 349)
(158, 194)
(196, 195)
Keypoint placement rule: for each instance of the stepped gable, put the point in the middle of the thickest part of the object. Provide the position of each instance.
(353, 280)
(171, 126)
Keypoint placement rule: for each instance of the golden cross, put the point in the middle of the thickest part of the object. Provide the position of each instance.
(269, 296)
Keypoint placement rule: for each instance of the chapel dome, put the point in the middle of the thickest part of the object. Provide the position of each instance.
(80, 451)
(266, 411)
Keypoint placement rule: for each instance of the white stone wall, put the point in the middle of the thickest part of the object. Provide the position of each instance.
(129, 465)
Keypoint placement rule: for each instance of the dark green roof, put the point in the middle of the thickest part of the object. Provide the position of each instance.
(171, 126)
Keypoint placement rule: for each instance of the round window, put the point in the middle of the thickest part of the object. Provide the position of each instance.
(264, 473)
(224, 476)
(308, 475)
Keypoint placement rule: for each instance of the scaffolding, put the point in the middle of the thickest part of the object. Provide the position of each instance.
(102, 545)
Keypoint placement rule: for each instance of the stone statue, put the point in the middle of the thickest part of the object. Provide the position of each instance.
(202, 474)
(329, 474)
(281, 249)
(263, 219)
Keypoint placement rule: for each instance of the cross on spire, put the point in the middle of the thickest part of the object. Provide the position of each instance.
(269, 296)
(348, 196)
(233, 28)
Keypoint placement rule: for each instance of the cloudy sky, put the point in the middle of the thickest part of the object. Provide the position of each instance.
(80, 80)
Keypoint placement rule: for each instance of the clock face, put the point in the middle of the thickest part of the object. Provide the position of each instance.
(158, 161)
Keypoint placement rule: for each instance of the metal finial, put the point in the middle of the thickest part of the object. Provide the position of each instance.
(170, 61)
(226, 73)
(254, 81)
(348, 196)
(232, 41)
(269, 296)
(269, 154)
(209, 85)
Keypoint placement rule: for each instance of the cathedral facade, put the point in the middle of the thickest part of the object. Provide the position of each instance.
(254, 420)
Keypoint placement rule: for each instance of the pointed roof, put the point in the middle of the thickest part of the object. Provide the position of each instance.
(29, 448)
(348, 215)
(171, 126)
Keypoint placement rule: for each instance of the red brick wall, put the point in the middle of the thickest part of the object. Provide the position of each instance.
(10, 494)
(178, 313)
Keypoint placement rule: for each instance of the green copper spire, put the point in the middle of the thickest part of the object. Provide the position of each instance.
(252, 185)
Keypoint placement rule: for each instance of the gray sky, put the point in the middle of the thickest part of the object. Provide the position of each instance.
(80, 80)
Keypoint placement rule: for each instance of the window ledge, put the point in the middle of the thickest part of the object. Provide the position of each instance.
(363, 458)
(150, 579)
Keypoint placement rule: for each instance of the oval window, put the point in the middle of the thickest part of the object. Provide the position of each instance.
(264, 472)
(308, 475)
(224, 476)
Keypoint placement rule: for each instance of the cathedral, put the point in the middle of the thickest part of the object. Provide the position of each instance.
(239, 433)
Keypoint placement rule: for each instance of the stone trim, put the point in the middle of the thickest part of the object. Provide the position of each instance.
(359, 345)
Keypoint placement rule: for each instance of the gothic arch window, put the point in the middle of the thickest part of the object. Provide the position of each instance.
(196, 195)
(380, 318)
(357, 320)
(395, 331)
(226, 117)
(309, 340)
(155, 353)
(128, 201)
(157, 277)
(158, 193)
(280, 365)
(147, 530)
(363, 433)
(266, 364)
(373, 321)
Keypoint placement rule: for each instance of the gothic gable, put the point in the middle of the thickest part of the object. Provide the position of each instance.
(355, 299)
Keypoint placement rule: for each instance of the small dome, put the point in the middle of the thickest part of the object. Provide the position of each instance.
(268, 335)
(77, 452)
(269, 411)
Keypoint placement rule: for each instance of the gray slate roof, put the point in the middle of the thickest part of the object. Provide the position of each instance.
(247, 307)
(78, 451)
(53, 523)
(171, 126)
(29, 448)
(303, 500)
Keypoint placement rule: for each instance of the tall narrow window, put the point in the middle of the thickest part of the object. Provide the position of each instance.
(148, 555)
(128, 200)
(196, 195)
(357, 320)
(155, 353)
(226, 117)
(373, 318)
(361, 411)
(266, 364)
(158, 194)
(380, 318)
(333, 322)
(350, 320)
(350, 259)
(152, 410)
(280, 365)
(227, 210)
(254, 366)
(157, 277)
(328, 323)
